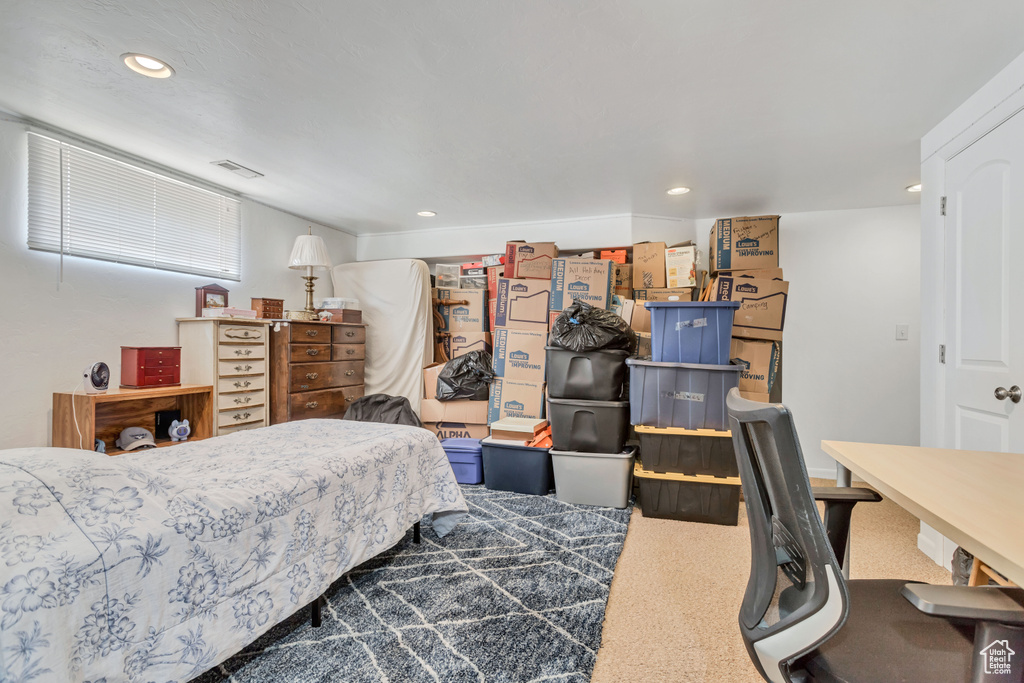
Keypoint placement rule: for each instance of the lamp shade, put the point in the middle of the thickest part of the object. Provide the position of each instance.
(309, 251)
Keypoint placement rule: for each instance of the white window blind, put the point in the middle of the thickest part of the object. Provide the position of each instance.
(85, 204)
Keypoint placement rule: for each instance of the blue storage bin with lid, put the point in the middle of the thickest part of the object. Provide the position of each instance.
(691, 331)
(466, 459)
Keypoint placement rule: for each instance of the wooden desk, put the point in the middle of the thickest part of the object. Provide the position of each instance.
(974, 498)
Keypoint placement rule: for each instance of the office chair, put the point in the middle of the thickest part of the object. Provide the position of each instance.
(802, 621)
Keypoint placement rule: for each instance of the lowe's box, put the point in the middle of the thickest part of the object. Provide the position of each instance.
(523, 304)
(515, 398)
(529, 259)
(746, 243)
(762, 311)
(586, 280)
(519, 354)
(463, 310)
(664, 294)
(461, 343)
(760, 363)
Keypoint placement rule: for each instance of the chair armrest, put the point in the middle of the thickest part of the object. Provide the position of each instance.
(847, 494)
(980, 603)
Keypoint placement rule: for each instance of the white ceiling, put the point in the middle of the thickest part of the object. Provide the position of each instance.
(489, 111)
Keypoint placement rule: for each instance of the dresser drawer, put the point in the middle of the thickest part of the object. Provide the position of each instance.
(163, 362)
(328, 403)
(170, 354)
(242, 333)
(349, 334)
(307, 353)
(221, 431)
(237, 416)
(244, 399)
(313, 376)
(308, 333)
(239, 352)
(229, 368)
(234, 384)
(161, 380)
(160, 370)
(348, 352)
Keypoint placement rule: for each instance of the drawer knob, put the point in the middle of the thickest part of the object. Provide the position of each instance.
(312, 352)
(243, 368)
(311, 333)
(312, 404)
(243, 352)
(312, 375)
(242, 385)
(349, 373)
(243, 401)
(242, 416)
(348, 399)
(350, 351)
(350, 333)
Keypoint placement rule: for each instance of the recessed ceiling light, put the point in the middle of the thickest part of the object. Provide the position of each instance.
(677, 190)
(426, 214)
(147, 66)
(914, 188)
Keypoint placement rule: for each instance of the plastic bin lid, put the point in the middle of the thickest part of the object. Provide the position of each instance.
(461, 445)
(685, 366)
(591, 404)
(691, 304)
(498, 443)
(624, 455)
(679, 431)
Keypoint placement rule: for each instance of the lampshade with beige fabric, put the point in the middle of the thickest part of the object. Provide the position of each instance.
(309, 252)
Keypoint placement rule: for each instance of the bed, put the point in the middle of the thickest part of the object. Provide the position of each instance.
(160, 564)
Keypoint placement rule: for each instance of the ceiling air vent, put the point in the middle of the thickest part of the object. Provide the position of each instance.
(237, 168)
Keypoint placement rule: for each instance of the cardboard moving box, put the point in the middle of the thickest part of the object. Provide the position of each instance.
(459, 410)
(623, 282)
(514, 398)
(519, 354)
(468, 315)
(430, 374)
(680, 294)
(575, 279)
(523, 304)
(529, 259)
(760, 361)
(460, 343)
(648, 265)
(493, 273)
(762, 311)
(745, 243)
(458, 430)
(680, 266)
(617, 255)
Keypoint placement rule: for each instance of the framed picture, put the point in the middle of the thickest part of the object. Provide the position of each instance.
(210, 296)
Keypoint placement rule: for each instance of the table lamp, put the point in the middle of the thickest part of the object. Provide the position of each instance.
(309, 252)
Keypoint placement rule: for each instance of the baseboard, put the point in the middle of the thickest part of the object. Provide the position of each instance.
(822, 472)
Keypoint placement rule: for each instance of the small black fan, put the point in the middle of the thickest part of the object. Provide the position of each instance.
(97, 378)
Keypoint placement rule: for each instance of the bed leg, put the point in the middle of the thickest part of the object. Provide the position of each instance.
(416, 532)
(316, 615)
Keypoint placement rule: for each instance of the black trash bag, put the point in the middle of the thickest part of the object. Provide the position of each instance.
(581, 328)
(466, 376)
(392, 410)
(962, 563)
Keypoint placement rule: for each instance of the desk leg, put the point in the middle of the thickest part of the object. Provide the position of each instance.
(844, 478)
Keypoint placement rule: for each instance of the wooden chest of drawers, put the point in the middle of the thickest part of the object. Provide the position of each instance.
(150, 366)
(316, 369)
(232, 355)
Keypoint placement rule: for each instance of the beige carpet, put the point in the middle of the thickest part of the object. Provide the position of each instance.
(677, 589)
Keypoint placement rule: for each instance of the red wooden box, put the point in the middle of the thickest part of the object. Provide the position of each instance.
(150, 366)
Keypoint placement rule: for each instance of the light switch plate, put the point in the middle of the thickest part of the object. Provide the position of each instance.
(903, 332)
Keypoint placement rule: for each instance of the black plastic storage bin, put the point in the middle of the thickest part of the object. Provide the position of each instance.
(588, 426)
(687, 451)
(683, 395)
(592, 375)
(693, 500)
(521, 469)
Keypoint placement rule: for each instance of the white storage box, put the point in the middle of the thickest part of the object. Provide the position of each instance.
(601, 479)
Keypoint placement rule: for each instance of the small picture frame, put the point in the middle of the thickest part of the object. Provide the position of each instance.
(210, 296)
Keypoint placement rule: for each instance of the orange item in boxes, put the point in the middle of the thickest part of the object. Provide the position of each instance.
(617, 255)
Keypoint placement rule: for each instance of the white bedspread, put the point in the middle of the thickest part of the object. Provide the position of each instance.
(157, 565)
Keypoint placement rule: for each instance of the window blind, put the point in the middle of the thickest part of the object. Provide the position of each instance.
(85, 204)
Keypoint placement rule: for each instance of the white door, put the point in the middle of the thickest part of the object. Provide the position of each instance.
(984, 292)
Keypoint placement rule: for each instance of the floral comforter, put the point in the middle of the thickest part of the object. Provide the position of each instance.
(160, 564)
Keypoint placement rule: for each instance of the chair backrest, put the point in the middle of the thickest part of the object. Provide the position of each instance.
(796, 597)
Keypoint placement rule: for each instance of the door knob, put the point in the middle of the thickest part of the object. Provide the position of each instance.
(1013, 393)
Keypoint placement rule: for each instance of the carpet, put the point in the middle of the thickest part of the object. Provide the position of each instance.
(517, 592)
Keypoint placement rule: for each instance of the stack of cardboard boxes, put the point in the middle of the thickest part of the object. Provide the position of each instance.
(520, 328)
(744, 263)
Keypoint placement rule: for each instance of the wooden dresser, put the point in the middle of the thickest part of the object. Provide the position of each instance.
(231, 354)
(316, 369)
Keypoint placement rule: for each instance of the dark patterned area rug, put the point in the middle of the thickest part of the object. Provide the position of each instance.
(517, 592)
